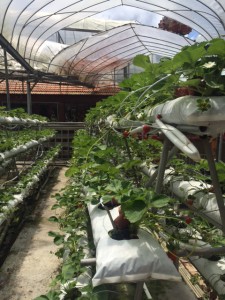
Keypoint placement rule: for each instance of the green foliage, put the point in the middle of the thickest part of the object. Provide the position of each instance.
(106, 164)
(20, 113)
(52, 295)
(7, 194)
(13, 139)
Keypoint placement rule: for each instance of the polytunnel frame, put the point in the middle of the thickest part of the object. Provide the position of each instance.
(147, 44)
(180, 17)
(156, 8)
(181, 12)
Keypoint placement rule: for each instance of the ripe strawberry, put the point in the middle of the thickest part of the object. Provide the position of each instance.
(172, 256)
(188, 220)
(155, 137)
(146, 128)
(125, 134)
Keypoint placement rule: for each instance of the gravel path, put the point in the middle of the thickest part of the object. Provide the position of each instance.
(31, 264)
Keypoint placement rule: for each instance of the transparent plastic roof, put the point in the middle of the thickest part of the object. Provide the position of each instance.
(28, 26)
(96, 56)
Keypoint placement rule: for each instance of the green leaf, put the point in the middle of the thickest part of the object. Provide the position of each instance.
(58, 240)
(68, 271)
(134, 210)
(52, 233)
(106, 198)
(55, 206)
(191, 82)
(52, 295)
(162, 202)
(53, 219)
(142, 61)
(72, 171)
(114, 186)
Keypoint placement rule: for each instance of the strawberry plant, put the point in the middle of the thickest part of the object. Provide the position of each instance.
(108, 158)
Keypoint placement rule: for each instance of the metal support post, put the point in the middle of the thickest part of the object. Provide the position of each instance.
(215, 181)
(162, 165)
(7, 81)
(29, 105)
(173, 151)
(139, 290)
(220, 147)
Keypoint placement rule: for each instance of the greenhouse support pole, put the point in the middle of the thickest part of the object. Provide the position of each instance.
(154, 175)
(29, 105)
(7, 81)
(215, 181)
(139, 290)
(220, 147)
(162, 165)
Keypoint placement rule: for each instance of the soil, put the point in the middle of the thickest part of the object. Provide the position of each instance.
(31, 264)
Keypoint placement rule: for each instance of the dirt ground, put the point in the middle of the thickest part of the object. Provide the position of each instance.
(31, 264)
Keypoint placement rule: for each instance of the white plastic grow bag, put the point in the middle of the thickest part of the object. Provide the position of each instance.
(127, 260)
(212, 271)
(204, 201)
(185, 111)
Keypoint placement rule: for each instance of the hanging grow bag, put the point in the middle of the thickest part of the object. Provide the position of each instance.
(185, 111)
(127, 260)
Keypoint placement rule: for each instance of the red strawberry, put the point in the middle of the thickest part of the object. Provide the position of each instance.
(188, 220)
(146, 128)
(172, 256)
(125, 134)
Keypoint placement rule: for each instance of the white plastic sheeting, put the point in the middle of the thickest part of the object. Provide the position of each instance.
(104, 52)
(28, 24)
(94, 24)
(185, 111)
(127, 260)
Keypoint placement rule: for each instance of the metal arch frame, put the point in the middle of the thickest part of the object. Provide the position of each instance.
(5, 16)
(140, 8)
(102, 33)
(149, 10)
(7, 46)
(99, 5)
(141, 44)
(114, 56)
(117, 33)
(31, 73)
(14, 26)
(59, 22)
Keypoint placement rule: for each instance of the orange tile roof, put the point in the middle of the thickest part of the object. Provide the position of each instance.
(18, 87)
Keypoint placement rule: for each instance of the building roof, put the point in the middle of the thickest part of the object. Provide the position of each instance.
(19, 87)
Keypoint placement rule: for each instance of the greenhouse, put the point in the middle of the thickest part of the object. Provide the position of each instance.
(112, 153)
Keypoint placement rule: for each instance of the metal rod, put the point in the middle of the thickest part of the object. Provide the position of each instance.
(7, 81)
(139, 290)
(15, 54)
(215, 181)
(220, 147)
(204, 252)
(29, 104)
(130, 158)
(162, 165)
(88, 261)
(173, 151)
